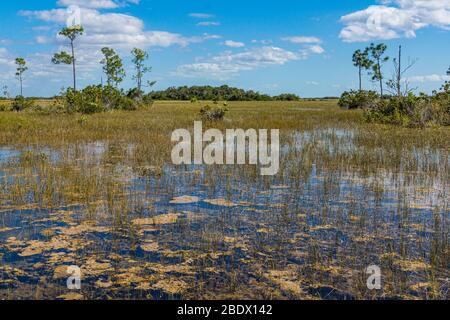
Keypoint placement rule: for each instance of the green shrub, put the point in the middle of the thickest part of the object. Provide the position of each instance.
(20, 104)
(135, 94)
(147, 101)
(128, 104)
(358, 99)
(5, 107)
(111, 97)
(94, 99)
(413, 111)
(213, 114)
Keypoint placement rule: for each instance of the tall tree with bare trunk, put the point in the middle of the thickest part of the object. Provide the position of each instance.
(65, 58)
(21, 68)
(362, 62)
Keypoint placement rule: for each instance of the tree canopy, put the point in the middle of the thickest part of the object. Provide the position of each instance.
(216, 93)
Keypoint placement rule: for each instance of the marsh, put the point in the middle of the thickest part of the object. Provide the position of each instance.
(102, 194)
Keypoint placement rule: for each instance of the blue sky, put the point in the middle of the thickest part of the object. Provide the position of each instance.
(304, 47)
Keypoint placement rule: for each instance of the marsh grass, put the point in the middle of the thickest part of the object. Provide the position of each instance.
(101, 193)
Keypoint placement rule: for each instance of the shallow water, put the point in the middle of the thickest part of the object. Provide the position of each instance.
(224, 232)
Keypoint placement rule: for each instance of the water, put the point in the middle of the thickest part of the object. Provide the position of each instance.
(135, 233)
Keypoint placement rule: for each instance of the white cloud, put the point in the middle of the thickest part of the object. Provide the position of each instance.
(95, 4)
(112, 29)
(316, 49)
(302, 39)
(310, 45)
(394, 19)
(265, 42)
(429, 78)
(43, 40)
(7, 66)
(201, 15)
(208, 24)
(234, 44)
(229, 64)
(5, 58)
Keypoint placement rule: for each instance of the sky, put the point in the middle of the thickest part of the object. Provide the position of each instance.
(296, 46)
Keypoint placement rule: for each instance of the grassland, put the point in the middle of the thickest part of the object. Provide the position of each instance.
(99, 192)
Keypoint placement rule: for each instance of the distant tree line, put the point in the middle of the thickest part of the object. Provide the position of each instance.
(222, 93)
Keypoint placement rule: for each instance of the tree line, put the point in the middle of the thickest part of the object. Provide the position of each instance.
(216, 94)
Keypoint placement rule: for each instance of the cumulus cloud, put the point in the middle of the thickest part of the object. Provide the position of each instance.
(5, 58)
(315, 49)
(234, 44)
(302, 39)
(112, 29)
(229, 64)
(395, 19)
(208, 24)
(7, 66)
(309, 45)
(96, 4)
(201, 15)
(429, 78)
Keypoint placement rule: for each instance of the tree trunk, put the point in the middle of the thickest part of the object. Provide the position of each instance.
(73, 67)
(139, 82)
(21, 85)
(381, 87)
(399, 73)
(360, 80)
(380, 75)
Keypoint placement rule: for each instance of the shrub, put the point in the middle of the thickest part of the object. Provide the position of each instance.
(128, 104)
(134, 94)
(5, 107)
(87, 101)
(94, 99)
(20, 103)
(358, 99)
(213, 114)
(413, 111)
(111, 98)
(147, 101)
